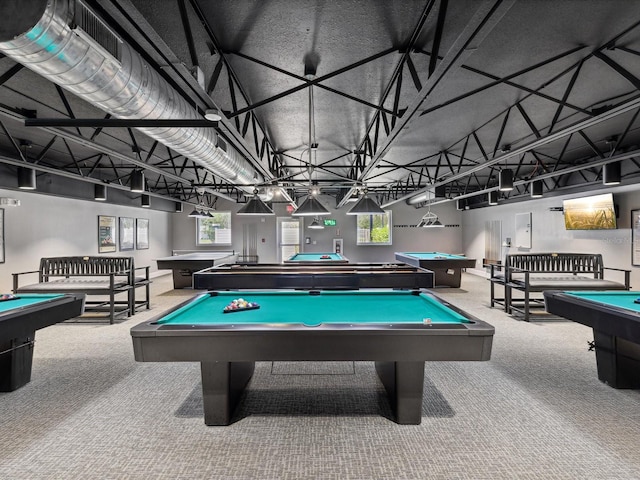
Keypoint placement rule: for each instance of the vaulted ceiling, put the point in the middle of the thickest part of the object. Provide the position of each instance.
(397, 97)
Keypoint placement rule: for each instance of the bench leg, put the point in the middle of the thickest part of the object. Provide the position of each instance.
(526, 305)
(112, 307)
(492, 290)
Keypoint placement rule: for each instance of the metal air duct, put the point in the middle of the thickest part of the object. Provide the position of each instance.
(73, 48)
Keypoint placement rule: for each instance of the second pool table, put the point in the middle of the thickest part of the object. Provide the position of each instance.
(614, 317)
(446, 266)
(19, 320)
(316, 258)
(399, 330)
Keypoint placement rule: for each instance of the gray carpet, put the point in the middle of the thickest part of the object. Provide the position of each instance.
(535, 411)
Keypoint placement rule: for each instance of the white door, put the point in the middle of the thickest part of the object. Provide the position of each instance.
(288, 237)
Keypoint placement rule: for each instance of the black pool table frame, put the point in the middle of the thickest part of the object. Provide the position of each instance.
(447, 271)
(17, 335)
(616, 333)
(227, 354)
(309, 277)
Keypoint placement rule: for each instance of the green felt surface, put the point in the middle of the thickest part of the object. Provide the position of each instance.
(434, 256)
(315, 257)
(618, 299)
(293, 307)
(25, 300)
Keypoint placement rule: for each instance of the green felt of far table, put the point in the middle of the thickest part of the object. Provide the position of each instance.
(313, 309)
(26, 300)
(328, 257)
(435, 256)
(617, 299)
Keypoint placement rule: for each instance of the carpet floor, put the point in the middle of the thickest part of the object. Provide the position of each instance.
(536, 410)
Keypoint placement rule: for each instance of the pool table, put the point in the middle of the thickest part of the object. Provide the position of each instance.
(615, 319)
(352, 276)
(446, 266)
(184, 265)
(399, 330)
(19, 320)
(316, 258)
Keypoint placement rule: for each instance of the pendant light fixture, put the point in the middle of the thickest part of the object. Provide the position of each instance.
(100, 192)
(505, 180)
(429, 220)
(26, 178)
(178, 207)
(611, 174)
(311, 207)
(137, 183)
(536, 189)
(145, 201)
(316, 225)
(255, 206)
(493, 197)
(366, 206)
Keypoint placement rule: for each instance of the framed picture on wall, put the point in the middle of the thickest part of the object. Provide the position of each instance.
(127, 233)
(142, 233)
(106, 234)
(635, 237)
(1, 235)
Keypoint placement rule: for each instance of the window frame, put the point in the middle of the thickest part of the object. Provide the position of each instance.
(388, 214)
(200, 221)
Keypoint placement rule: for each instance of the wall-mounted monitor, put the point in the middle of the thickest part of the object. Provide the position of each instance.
(590, 213)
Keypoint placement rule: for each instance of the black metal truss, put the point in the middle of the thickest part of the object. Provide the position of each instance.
(437, 163)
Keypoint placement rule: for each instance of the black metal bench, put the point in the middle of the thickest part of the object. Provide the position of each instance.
(535, 272)
(111, 277)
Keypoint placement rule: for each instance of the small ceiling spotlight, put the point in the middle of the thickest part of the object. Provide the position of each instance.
(213, 115)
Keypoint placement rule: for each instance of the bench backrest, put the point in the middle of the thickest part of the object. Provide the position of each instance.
(557, 263)
(70, 266)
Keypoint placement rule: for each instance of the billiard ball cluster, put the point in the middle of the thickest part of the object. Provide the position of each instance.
(240, 304)
(7, 296)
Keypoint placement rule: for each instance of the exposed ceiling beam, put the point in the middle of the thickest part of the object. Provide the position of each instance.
(582, 125)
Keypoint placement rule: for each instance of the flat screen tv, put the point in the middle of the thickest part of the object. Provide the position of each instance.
(590, 213)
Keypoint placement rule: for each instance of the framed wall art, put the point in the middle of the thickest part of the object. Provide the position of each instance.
(127, 233)
(142, 233)
(106, 234)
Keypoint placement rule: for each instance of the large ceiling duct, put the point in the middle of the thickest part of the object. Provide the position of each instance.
(70, 46)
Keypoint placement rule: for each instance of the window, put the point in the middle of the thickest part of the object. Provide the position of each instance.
(215, 230)
(374, 229)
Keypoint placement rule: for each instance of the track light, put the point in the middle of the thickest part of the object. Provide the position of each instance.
(536, 189)
(505, 180)
(26, 178)
(100, 192)
(137, 183)
(611, 174)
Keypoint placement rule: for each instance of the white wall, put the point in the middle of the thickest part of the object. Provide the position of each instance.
(405, 236)
(51, 226)
(549, 233)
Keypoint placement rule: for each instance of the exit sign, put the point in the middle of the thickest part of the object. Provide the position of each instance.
(329, 222)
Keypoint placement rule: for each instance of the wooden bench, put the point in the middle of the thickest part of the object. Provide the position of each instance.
(535, 272)
(112, 277)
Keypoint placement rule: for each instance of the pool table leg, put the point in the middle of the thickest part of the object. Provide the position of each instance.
(618, 361)
(222, 386)
(15, 362)
(404, 382)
